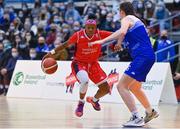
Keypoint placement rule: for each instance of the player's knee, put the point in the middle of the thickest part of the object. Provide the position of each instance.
(82, 76)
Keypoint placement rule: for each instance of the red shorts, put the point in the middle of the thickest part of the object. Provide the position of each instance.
(95, 72)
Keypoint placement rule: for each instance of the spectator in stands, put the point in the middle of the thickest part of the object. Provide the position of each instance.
(76, 26)
(7, 71)
(5, 22)
(35, 11)
(18, 26)
(72, 12)
(161, 13)
(65, 32)
(90, 8)
(109, 25)
(30, 39)
(51, 36)
(42, 47)
(41, 31)
(152, 39)
(168, 54)
(4, 57)
(22, 47)
(162, 43)
(33, 54)
(63, 55)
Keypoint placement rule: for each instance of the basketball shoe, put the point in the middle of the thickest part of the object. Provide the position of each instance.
(134, 122)
(150, 116)
(95, 105)
(79, 109)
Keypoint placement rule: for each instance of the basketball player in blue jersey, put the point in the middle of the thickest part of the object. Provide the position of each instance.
(135, 37)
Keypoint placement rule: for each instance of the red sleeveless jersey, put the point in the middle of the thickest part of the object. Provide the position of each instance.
(83, 52)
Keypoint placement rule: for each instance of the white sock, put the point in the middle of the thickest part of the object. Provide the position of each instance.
(82, 100)
(135, 113)
(95, 100)
(1, 86)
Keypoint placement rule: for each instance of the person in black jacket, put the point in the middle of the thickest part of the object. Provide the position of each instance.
(7, 71)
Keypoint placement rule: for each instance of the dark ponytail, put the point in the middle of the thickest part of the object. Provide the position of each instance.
(128, 8)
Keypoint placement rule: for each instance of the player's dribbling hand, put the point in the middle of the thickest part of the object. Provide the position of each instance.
(46, 56)
(117, 47)
(96, 42)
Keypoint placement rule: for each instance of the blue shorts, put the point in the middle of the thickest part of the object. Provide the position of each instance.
(139, 68)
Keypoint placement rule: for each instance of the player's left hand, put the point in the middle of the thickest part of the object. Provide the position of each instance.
(117, 47)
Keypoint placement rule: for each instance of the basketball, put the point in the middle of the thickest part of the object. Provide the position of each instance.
(49, 65)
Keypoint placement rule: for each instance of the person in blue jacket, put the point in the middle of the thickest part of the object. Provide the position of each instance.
(164, 42)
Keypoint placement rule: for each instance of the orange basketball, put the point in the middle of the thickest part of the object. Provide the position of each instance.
(49, 65)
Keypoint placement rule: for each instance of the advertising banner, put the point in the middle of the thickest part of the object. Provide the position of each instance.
(29, 81)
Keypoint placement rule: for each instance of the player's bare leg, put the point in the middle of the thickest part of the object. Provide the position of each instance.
(140, 95)
(102, 91)
(83, 80)
(123, 89)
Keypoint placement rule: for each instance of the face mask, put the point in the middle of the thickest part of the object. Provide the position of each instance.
(103, 12)
(76, 28)
(149, 5)
(65, 30)
(41, 44)
(160, 8)
(70, 22)
(56, 21)
(28, 38)
(22, 46)
(62, 8)
(1, 38)
(36, 22)
(108, 19)
(12, 27)
(20, 15)
(18, 40)
(14, 54)
(163, 37)
(32, 55)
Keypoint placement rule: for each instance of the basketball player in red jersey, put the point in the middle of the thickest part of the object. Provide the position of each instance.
(85, 64)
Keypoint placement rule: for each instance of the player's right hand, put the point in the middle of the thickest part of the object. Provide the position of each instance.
(46, 56)
(117, 47)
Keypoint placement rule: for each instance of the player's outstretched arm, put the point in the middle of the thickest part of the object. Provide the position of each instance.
(118, 35)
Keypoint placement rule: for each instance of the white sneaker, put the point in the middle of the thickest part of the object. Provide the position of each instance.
(134, 122)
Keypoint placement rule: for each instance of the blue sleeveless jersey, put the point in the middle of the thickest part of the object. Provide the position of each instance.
(140, 49)
(137, 41)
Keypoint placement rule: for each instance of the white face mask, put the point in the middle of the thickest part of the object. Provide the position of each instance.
(32, 55)
(76, 28)
(1, 37)
(109, 19)
(28, 38)
(65, 30)
(14, 54)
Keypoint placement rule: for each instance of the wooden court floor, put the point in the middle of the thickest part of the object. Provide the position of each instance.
(39, 113)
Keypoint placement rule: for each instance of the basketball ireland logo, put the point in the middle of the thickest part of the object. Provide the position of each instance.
(18, 78)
